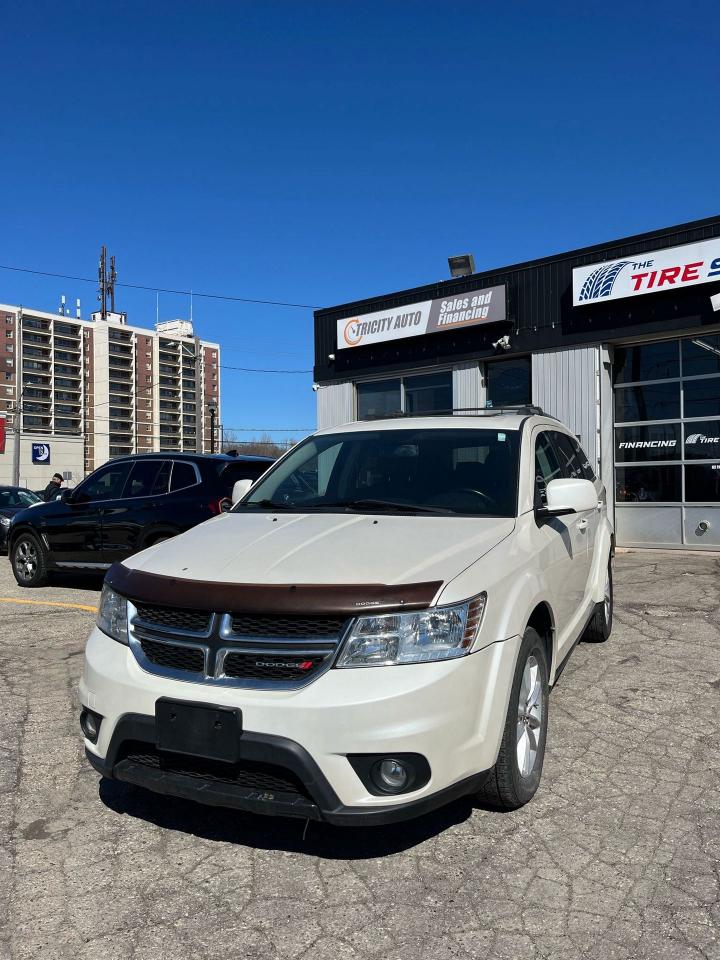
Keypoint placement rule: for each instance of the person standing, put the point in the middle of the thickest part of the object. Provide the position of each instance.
(53, 488)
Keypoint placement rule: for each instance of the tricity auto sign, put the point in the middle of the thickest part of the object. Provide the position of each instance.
(651, 272)
(430, 316)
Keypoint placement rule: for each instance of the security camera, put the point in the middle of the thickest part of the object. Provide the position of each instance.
(502, 344)
(331, 356)
(316, 387)
(715, 301)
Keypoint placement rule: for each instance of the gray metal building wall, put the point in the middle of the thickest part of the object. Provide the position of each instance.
(565, 383)
(335, 405)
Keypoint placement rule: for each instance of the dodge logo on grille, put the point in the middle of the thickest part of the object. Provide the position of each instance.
(284, 664)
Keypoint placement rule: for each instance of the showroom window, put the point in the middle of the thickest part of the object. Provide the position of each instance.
(508, 382)
(424, 393)
(667, 422)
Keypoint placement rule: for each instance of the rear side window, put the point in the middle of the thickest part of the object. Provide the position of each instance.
(547, 467)
(573, 461)
(183, 475)
(147, 478)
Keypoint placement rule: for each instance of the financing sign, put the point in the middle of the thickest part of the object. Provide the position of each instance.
(651, 272)
(429, 316)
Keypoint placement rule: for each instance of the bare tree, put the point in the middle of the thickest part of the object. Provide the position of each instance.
(262, 446)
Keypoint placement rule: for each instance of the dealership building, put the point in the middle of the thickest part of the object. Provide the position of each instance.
(620, 341)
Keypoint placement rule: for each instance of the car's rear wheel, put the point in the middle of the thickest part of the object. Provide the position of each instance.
(29, 561)
(514, 779)
(600, 627)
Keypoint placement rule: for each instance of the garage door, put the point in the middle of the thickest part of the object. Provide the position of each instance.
(667, 443)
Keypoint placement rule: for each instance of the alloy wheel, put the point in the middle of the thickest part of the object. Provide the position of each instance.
(529, 722)
(26, 559)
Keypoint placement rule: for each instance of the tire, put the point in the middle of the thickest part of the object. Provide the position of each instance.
(510, 785)
(29, 561)
(600, 627)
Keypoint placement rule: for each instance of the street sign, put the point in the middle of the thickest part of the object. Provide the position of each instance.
(41, 453)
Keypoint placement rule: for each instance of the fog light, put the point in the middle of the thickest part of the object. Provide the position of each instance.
(391, 775)
(90, 725)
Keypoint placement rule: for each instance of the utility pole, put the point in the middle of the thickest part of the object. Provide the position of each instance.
(212, 407)
(19, 387)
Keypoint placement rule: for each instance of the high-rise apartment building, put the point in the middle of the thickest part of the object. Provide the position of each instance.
(90, 390)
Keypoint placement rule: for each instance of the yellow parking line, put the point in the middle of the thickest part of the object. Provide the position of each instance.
(50, 603)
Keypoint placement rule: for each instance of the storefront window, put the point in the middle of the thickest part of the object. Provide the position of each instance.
(379, 398)
(430, 393)
(658, 441)
(702, 483)
(649, 361)
(648, 484)
(509, 382)
(702, 440)
(702, 397)
(424, 393)
(655, 401)
(701, 355)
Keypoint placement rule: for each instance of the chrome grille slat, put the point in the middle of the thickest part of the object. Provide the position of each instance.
(271, 659)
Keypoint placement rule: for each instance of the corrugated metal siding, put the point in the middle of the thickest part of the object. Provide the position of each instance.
(468, 388)
(565, 384)
(335, 405)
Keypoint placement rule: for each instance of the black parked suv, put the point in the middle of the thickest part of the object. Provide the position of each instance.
(124, 506)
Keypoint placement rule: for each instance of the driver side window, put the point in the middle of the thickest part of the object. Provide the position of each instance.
(547, 467)
(105, 484)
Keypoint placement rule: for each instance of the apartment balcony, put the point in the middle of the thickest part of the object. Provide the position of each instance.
(118, 391)
(62, 344)
(33, 323)
(36, 422)
(43, 340)
(120, 376)
(37, 406)
(63, 370)
(120, 413)
(120, 349)
(67, 426)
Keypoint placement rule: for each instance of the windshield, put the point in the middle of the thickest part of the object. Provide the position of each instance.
(440, 471)
(13, 497)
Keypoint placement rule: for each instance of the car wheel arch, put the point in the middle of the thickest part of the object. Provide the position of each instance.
(543, 622)
(155, 534)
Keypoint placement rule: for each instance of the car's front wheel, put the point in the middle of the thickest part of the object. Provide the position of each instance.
(29, 561)
(514, 779)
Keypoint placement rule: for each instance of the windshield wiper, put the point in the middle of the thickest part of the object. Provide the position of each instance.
(392, 505)
(268, 505)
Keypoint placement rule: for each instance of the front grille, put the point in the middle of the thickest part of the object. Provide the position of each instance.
(198, 621)
(251, 775)
(175, 656)
(251, 666)
(288, 626)
(234, 649)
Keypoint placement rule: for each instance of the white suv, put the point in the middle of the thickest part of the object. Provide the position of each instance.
(371, 631)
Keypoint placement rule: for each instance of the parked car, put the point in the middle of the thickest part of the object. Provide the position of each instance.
(124, 506)
(372, 631)
(12, 501)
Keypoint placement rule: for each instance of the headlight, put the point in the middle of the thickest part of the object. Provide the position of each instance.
(438, 634)
(112, 615)
(4, 522)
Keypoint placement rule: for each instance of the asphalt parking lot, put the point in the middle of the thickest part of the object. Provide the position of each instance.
(617, 857)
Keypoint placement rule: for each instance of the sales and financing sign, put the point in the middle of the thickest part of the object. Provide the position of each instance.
(430, 316)
(652, 272)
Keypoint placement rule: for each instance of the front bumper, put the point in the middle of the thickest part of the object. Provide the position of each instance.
(452, 713)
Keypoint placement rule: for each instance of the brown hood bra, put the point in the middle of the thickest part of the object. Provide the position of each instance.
(344, 599)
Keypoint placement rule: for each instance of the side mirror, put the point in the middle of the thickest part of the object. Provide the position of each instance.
(65, 495)
(240, 488)
(569, 496)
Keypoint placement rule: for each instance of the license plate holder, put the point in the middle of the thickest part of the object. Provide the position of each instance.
(198, 729)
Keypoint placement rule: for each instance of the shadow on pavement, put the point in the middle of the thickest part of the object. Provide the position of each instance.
(279, 833)
(77, 581)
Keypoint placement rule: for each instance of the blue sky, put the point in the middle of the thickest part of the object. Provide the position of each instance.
(321, 152)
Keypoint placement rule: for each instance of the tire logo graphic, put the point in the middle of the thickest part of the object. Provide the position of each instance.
(601, 281)
(695, 438)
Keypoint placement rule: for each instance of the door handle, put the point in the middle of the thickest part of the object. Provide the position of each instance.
(582, 524)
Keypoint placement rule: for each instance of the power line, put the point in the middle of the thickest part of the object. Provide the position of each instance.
(224, 366)
(186, 293)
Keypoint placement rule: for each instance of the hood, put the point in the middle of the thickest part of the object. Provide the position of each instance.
(324, 548)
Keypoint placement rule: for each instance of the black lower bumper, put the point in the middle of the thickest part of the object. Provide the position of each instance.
(298, 788)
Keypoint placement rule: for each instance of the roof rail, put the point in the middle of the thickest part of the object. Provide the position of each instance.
(522, 410)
